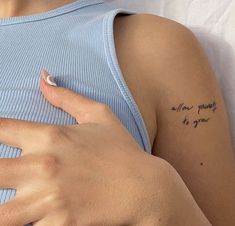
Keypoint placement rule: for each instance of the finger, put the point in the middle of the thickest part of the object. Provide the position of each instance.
(20, 211)
(82, 108)
(20, 133)
(12, 172)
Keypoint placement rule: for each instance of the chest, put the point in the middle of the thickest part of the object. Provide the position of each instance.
(80, 64)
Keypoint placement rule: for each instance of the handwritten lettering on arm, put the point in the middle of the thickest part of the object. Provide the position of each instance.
(204, 108)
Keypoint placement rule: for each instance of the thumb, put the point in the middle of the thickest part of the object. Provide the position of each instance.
(80, 107)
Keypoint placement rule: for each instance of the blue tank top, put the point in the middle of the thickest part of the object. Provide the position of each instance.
(75, 43)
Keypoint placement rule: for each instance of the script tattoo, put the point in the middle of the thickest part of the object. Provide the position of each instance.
(182, 107)
(196, 122)
(200, 108)
(209, 106)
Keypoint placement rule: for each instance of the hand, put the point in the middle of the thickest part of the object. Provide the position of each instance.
(93, 173)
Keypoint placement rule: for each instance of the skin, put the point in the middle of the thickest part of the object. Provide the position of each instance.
(157, 57)
(169, 66)
(13, 8)
(113, 190)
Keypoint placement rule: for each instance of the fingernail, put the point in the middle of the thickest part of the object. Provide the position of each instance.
(49, 79)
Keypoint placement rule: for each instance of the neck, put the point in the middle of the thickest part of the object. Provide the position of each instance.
(13, 8)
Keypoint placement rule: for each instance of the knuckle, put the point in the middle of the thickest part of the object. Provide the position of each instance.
(56, 199)
(167, 173)
(48, 165)
(103, 108)
(97, 107)
(164, 166)
(84, 114)
(55, 134)
(66, 219)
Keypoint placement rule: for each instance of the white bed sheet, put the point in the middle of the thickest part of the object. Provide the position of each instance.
(213, 23)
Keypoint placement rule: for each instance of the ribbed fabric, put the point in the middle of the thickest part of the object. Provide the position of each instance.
(75, 44)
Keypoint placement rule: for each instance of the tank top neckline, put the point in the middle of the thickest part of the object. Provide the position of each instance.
(51, 13)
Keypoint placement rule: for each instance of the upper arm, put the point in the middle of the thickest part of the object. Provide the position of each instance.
(192, 123)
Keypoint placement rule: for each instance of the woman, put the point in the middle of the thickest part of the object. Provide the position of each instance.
(152, 89)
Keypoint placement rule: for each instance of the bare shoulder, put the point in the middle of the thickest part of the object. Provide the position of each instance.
(146, 45)
(146, 30)
(193, 132)
(158, 46)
